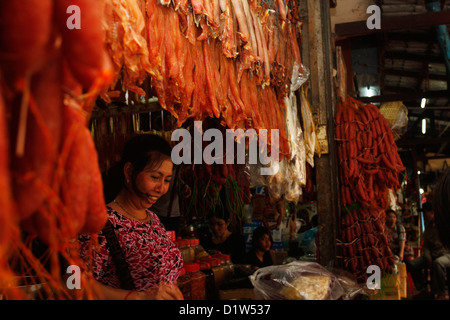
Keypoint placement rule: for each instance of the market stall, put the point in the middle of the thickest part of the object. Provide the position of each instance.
(236, 65)
(228, 77)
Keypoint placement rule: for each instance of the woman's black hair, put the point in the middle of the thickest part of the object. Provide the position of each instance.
(219, 212)
(388, 211)
(141, 151)
(258, 233)
(441, 207)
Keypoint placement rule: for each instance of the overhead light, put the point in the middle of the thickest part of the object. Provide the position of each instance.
(423, 103)
(418, 172)
(369, 91)
(424, 126)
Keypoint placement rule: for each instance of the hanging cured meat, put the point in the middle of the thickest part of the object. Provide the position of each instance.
(204, 56)
(369, 166)
(124, 24)
(50, 77)
(9, 230)
(24, 38)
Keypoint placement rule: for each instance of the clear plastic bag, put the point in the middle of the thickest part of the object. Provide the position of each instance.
(300, 75)
(290, 174)
(298, 280)
(351, 287)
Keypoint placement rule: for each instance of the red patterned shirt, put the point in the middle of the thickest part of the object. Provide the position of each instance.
(152, 257)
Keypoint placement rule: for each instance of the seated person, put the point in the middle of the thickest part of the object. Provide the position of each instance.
(307, 239)
(434, 256)
(259, 256)
(222, 239)
(396, 234)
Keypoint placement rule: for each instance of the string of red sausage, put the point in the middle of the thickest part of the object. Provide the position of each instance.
(369, 165)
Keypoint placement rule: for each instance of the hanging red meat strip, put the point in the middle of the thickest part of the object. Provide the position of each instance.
(9, 231)
(155, 42)
(199, 98)
(227, 35)
(212, 80)
(24, 37)
(33, 171)
(238, 11)
(84, 48)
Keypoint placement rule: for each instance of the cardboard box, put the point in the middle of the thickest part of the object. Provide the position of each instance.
(390, 288)
(387, 294)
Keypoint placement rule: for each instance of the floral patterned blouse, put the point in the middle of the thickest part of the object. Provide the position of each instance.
(151, 255)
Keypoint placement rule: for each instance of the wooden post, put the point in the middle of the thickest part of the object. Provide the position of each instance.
(317, 55)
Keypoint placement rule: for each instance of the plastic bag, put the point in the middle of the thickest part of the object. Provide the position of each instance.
(256, 179)
(300, 75)
(298, 280)
(290, 174)
(396, 114)
(311, 141)
(350, 286)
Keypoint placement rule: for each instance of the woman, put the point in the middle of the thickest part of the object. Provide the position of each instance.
(259, 256)
(142, 244)
(441, 205)
(222, 239)
(307, 239)
(396, 235)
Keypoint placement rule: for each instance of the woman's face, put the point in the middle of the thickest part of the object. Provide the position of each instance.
(391, 219)
(153, 182)
(264, 243)
(218, 226)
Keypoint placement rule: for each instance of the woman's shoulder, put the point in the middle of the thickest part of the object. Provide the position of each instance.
(115, 218)
(154, 217)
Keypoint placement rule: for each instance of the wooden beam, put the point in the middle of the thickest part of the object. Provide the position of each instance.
(398, 55)
(406, 96)
(317, 56)
(414, 141)
(411, 36)
(391, 23)
(114, 110)
(415, 75)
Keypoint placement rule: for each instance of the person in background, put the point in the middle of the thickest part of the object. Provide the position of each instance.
(434, 257)
(307, 239)
(136, 259)
(441, 207)
(396, 234)
(259, 256)
(222, 239)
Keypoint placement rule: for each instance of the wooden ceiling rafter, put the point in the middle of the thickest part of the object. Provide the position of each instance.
(403, 55)
(405, 94)
(405, 22)
(424, 74)
(411, 67)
